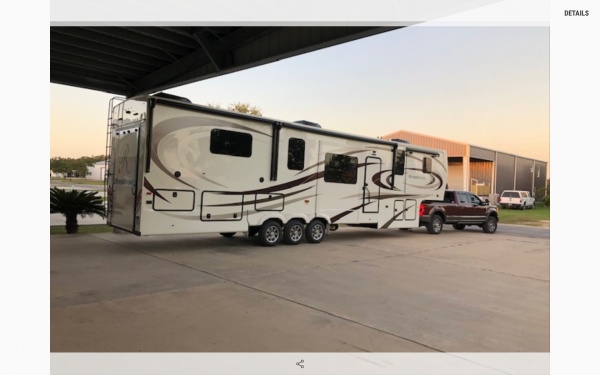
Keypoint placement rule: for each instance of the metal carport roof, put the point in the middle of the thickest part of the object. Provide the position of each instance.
(139, 60)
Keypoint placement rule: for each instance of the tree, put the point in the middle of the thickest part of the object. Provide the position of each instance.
(71, 203)
(241, 108)
(69, 165)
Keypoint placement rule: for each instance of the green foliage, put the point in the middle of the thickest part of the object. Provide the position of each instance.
(241, 108)
(71, 203)
(70, 165)
(547, 201)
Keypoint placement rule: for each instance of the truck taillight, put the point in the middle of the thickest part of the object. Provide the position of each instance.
(421, 209)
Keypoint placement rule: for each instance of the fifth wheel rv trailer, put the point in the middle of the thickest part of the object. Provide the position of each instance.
(177, 167)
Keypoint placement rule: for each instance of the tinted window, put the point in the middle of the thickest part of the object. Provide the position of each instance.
(475, 199)
(341, 169)
(464, 198)
(226, 142)
(426, 165)
(399, 164)
(296, 154)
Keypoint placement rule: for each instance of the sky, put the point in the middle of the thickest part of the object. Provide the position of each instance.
(486, 86)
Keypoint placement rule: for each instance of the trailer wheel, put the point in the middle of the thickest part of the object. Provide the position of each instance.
(227, 234)
(490, 225)
(293, 232)
(435, 224)
(458, 226)
(269, 233)
(315, 231)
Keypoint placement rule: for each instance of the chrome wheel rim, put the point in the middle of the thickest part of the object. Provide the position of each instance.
(317, 232)
(296, 233)
(272, 234)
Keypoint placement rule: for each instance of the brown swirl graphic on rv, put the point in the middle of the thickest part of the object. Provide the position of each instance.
(165, 128)
(434, 178)
(389, 222)
(348, 212)
(151, 188)
(377, 180)
(178, 215)
(255, 201)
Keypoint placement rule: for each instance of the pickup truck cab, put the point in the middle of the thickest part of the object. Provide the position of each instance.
(459, 208)
(516, 199)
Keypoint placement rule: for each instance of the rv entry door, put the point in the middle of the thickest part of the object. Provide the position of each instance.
(371, 185)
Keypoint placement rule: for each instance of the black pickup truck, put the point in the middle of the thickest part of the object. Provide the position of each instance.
(459, 208)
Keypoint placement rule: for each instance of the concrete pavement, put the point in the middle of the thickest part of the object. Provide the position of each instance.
(358, 291)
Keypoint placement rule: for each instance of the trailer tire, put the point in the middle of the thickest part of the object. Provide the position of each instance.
(490, 225)
(458, 226)
(293, 232)
(315, 231)
(228, 234)
(269, 233)
(435, 224)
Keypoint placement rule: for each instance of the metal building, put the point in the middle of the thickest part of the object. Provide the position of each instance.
(483, 171)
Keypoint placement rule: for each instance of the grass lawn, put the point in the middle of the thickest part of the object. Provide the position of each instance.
(76, 181)
(97, 228)
(536, 217)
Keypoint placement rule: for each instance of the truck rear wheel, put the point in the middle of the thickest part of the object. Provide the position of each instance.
(490, 225)
(435, 225)
(315, 231)
(293, 232)
(269, 233)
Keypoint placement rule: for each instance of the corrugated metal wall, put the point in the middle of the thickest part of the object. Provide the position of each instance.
(498, 170)
(452, 148)
(524, 175)
(540, 177)
(505, 172)
(482, 153)
(483, 172)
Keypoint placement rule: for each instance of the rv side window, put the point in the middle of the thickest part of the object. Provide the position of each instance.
(340, 169)
(399, 164)
(426, 165)
(226, 142)
(296, 154)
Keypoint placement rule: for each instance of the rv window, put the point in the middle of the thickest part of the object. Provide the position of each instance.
(426, 165)
(340, 169)
(226, 142)
(296, 154)
(399, 164)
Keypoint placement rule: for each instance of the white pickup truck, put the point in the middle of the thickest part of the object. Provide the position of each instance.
(516, 199)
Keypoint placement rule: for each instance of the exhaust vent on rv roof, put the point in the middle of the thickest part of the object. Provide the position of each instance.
(304, 122)
(171, 96)
(400, 140)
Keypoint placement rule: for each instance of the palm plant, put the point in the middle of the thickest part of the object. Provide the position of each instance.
(71, 203)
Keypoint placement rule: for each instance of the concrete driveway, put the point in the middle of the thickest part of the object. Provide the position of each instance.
(360, 290)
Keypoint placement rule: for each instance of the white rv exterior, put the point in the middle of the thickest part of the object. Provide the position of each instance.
(177, 168)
